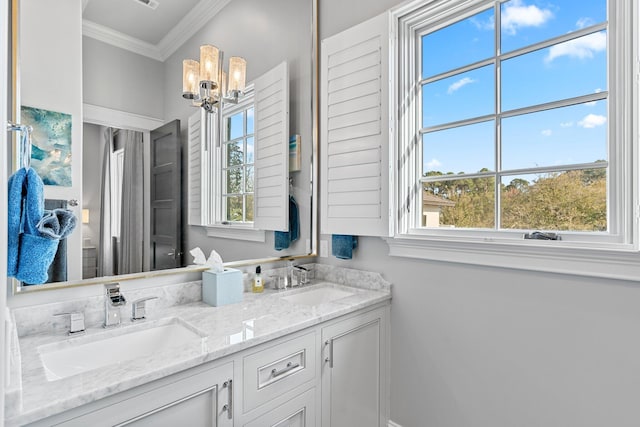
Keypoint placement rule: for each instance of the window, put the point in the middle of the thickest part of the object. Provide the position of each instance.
(237, 163)
(515, 121)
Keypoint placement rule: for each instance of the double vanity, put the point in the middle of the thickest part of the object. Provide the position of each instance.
(313, 355)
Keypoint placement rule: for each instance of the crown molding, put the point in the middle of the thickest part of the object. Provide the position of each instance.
(192, 22)
(121, 40)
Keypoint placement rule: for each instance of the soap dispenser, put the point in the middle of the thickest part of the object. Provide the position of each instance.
(257, 282)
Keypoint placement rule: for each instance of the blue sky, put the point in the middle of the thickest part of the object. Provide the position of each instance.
(567, 135)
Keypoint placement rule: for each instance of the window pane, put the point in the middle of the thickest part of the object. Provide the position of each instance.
(250, 150)
(234, 181)
(473, 40)
(234, 126)
(234, 208)
(465, 149)
(459, 97)
(459, 203)
(250, 121)
(249, 207)
(550, 74)
(249, 179)
(525, 22)
(234, 153)
(562, 136)
(571, 201)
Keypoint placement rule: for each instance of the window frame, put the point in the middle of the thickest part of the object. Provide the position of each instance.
(218, 227)
(579, 253)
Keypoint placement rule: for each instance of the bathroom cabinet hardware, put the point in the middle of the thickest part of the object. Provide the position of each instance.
(290, 366)
(138, 308)
(76, 322)
(229, 406)
(72, 202)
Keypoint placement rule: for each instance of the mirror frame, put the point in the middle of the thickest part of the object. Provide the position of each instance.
(14, 113)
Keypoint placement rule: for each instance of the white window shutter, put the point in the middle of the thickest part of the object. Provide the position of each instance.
(198, 169)
(271, 121)
(355, 130)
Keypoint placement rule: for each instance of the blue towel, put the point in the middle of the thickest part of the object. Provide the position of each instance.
(342, 245)
(283, 239)
(30, 252)
(57, 224)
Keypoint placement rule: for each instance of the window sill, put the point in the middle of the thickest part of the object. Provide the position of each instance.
(236, 232)
(619, 264)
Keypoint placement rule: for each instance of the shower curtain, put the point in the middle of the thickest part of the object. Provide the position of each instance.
(132, 215)
(105, 245)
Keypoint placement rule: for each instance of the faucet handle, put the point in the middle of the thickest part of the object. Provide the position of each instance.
(77, 322)
(138, 308)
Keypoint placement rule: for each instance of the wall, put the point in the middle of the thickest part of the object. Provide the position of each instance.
(477, 346)
(121, 80)
(4, 142)
(51, 69)
(93, 153)
(260, 32)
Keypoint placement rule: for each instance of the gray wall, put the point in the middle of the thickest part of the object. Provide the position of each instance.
(476, 346)
(261, 32)
(122, 80)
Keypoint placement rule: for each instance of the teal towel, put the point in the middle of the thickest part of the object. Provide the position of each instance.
(342, 245)
(15, 217)
(282, 239)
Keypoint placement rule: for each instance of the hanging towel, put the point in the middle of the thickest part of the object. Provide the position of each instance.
(30, 252)
(283, 239)
(15, 217)
(342, 245)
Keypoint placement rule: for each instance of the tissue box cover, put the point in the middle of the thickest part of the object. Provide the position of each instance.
(222, 288)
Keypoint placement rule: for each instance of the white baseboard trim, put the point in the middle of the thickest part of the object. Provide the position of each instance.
(392, 424)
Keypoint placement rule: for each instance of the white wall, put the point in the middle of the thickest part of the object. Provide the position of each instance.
(93, 153)
(51, 72)
(477, 346)
(260, 32)
(4, 141)
(121, 80)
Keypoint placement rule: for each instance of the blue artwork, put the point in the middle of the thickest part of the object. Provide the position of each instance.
(51, 144)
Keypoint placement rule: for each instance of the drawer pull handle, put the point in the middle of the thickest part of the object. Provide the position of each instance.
(290, 366)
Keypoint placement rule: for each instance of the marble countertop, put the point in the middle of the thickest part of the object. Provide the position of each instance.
(228, 329)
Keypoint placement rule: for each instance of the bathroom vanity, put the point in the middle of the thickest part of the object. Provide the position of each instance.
(311, 356)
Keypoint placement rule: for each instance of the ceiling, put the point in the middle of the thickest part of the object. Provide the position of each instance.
(156, 33)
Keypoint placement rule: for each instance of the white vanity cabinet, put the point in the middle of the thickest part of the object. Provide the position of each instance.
(200, 397)
(355, 371)
(333, 373)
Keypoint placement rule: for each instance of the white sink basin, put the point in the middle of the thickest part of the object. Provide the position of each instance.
(315, 296)
(77, 355)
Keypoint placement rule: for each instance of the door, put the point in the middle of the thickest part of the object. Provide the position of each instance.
(166, 197)
(351, 373)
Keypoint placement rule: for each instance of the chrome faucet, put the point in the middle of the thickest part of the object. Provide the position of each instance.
(301, 275)
(138, 308)
(113, 300)
(76, 325)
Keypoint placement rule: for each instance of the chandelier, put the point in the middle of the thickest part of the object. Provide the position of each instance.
(205, 82)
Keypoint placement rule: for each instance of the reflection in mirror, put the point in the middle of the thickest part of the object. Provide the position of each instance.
(119, 81)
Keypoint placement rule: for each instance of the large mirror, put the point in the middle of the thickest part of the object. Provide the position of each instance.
(110, 73)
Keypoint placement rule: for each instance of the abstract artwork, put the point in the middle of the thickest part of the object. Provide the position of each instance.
(51, 144)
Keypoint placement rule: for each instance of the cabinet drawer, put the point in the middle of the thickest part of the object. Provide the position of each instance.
(298, 412)
(278, 369)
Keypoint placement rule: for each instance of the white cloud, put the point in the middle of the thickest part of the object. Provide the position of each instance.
(518, 15)
(581, 48)
(434, 163)
(584, 22)
(457, 85)
(487, 25)
(566, 124)
(592, 120)
(546, 132)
